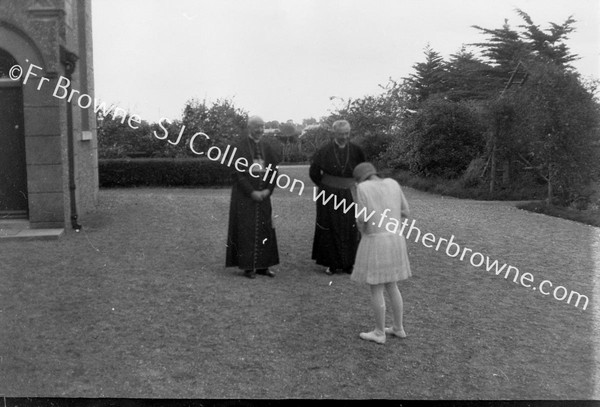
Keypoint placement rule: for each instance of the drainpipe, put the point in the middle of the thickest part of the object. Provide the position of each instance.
(68, 59)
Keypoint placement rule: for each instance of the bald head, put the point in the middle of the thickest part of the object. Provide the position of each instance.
(256, 127)
(255, 120)
(341, 132)
(341, 126)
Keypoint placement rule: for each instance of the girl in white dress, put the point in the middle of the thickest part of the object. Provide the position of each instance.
(382, 258)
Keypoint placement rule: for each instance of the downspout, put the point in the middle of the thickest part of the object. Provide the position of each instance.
(68, 59)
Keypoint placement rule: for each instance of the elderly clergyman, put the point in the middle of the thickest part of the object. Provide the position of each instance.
(336, 235)
(251, 240)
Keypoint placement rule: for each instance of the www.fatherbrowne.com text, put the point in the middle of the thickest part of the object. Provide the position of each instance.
(453, 249)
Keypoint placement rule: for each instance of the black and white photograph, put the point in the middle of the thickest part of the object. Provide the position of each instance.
(247, 201)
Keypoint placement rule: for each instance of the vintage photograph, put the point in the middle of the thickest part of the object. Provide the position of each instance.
(284, 200)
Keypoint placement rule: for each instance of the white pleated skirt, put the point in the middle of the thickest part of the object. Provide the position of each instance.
(381, 258)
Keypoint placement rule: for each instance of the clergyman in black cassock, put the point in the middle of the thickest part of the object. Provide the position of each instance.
(336, 236)
(251, 239)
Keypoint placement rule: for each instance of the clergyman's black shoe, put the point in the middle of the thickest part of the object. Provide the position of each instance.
(265, 272)
(249, 274)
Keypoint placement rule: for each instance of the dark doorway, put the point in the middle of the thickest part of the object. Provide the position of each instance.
(13, 172)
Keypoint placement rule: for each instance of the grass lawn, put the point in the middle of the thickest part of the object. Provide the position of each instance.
(138, 304)
(589, 217)
(534, 197)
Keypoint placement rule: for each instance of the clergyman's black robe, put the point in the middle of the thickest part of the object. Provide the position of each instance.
(336, 236)
(251, 240)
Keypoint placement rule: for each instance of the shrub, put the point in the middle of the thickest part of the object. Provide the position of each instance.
(440, 139)
(189, 172)
(222, 121)
(456, 188)
(295, 156)
(471, 177)
(373, 144)
(313, 138)
(557, 122)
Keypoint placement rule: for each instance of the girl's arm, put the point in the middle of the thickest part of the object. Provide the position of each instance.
(360, 200)
(404, 210)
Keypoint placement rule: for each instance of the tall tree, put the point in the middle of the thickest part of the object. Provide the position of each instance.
(375, 119)
(504, 48)
(559, 125)
(222, 121)
(549, 44)
(468, 77)
(508, 53)
(428, 78)
(512, 54)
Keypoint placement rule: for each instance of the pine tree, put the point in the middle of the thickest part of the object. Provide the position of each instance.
(515, 56)
(549, 44)
(429, 77)
(504, 49)
(468, 77)
(506, 52)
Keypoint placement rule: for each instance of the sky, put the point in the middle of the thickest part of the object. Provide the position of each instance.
(295, 59)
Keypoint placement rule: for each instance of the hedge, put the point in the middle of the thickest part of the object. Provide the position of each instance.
(191, 172)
